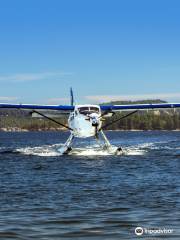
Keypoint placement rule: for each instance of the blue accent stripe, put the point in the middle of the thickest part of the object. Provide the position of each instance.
(140, 106)
(29, 106)
(103, 108)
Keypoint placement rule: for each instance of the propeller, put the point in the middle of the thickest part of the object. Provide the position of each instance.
(89, 117)
(95, 122)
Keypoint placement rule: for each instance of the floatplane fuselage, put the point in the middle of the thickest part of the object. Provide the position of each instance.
(84, 122)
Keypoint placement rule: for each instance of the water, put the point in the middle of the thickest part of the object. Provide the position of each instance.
(44, 195)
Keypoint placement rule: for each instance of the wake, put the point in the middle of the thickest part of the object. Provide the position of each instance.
(54, 151)
(93, 150)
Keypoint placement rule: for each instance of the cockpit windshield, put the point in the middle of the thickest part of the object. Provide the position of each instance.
(83, 110)
(94, 109)
(88, 110)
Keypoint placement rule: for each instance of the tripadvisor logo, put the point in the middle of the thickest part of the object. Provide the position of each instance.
(139, 231)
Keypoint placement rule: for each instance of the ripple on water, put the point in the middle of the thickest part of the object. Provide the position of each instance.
(48, 196)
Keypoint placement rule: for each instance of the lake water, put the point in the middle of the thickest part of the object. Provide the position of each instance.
(44, 195)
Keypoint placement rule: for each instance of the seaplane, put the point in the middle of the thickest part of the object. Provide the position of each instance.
(87, 120)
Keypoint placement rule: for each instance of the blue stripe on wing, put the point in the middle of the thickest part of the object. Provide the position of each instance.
(33, 106)
(139, 106)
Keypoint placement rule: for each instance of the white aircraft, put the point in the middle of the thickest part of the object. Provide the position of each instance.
(86, 120)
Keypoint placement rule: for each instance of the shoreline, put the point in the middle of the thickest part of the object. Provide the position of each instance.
(15, 129)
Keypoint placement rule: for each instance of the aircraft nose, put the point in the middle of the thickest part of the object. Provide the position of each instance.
(95, 122)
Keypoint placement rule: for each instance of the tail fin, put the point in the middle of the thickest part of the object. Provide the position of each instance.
(72, 97)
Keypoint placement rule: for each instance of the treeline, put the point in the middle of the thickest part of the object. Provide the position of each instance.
(143, 120)
(146, 120)
(17, 120)
(27, 123)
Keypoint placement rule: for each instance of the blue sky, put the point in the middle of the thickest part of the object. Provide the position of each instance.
(104, 49)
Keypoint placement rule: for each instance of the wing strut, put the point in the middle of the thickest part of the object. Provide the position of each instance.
(51, 119)
(119, 119)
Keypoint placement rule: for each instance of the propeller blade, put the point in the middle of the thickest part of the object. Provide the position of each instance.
(96, 132)
(106, 112)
